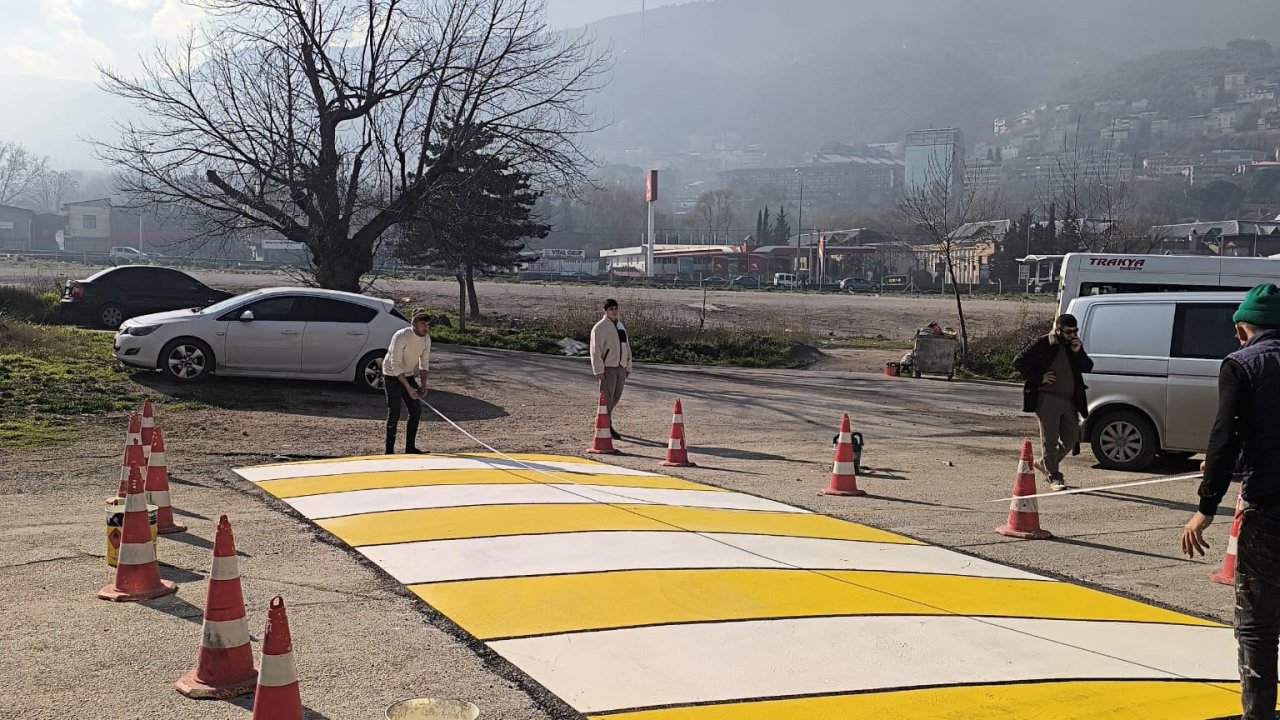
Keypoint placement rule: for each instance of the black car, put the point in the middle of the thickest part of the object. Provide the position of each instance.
(746, 281)
(856, 284)
(116, 294)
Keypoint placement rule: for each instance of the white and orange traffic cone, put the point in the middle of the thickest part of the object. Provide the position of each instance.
(158, 486)
(1227, 575)
(134, 455)
(844, 476)
(147, 426)
(224, 665)
(1024, 512)
(602, 444)
(278, 696)
(677, 452)
(137, 572)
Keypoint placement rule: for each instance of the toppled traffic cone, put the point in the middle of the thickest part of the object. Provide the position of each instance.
(603, 442)
(224, 666)
(844, 477)
(158, 486)
(1227, 575)
(677, 452)
(277, 696)
(1024, 512)
(134, 455)
(147, 427)
(137, 572)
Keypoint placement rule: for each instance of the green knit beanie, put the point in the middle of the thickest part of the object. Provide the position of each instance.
(1261, 307)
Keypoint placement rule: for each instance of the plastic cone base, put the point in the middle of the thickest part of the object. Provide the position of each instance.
(1222, 578)
(608, 451)
(171, 529)
(114, 594)
(191, 687)
(843, 493)
(668, 463)
(1041, 534)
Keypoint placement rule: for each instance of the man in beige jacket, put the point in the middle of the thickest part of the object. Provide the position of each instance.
(611, 358)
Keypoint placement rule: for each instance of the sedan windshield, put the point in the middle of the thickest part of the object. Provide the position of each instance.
(229, 303)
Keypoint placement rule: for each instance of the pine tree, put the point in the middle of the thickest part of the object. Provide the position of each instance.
(781, 229)
(759, 224)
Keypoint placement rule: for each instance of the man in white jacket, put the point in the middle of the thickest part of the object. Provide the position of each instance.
(410, 351)
(611, 358)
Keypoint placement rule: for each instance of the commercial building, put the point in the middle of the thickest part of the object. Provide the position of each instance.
(932, 155)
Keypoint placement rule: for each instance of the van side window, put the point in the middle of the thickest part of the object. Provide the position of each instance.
(1204, 332)
(1128, 329)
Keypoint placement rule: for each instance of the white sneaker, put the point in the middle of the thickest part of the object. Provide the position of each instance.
(1058, 485)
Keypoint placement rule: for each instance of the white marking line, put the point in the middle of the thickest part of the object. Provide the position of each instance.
(568, 553)
(263, 473)
(719, 662)
(358, 502)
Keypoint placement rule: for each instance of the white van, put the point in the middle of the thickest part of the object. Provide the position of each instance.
(1154, 385)
(1087, 274)
(785, 280)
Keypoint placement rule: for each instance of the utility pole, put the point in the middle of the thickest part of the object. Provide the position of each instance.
(799, 228)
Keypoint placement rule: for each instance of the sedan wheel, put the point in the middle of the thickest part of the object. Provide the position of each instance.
(110, 316)
(187, 360)
(369, 376)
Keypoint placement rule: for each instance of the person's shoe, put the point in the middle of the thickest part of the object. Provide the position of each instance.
(1040, 468)
(416, 451)
(1057, 484)
(615, 434)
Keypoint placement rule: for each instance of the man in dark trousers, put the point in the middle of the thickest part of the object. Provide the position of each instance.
(1053, 367)
(409, 353)
(1248, 428)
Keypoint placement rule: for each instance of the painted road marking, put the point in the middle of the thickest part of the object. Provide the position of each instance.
(588, 552)
(678, 664)
(693, 603)
(455, 523)
(301, 486)
(573, 603)
(360, 502)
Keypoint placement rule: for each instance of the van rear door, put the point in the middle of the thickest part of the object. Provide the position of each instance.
(1203, 334)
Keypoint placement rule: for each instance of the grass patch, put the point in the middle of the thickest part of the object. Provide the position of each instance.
(30, 305)
(991, 356)
(878, 342)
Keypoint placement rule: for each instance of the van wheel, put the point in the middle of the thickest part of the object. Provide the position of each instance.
(1124, 440)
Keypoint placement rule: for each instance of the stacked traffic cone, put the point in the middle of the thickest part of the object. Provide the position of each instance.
(1024, 512)
(224, 666)
(677, 453)
(603, 442)
(147, 427)
(137, 572)
(134, 455)
(844, 477)
(158, 486)
(1227, 575)
(277, 696)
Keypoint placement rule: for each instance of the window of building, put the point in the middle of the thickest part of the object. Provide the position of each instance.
(90, 222)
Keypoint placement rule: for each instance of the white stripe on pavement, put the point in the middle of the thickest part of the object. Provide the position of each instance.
(566, 553)
(302, 470)
(358, 502)
(673, 665)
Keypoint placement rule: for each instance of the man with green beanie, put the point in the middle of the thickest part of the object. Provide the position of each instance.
(1248, 428)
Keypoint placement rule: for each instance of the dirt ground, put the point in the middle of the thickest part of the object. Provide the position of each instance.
(938, 454)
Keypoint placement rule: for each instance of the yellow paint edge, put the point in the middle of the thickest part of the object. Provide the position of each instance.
(350, 482)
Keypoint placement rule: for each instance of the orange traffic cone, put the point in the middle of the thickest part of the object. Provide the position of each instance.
(133, 455)
(137, 572)
(147, 426)
(277, 697)
(603, 442)
(158, 486)
(844, 477)
(1227, 575)
(1024, 512)
(224, 666)
(677, 453)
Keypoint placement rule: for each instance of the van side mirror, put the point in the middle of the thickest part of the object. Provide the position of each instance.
(246, 316)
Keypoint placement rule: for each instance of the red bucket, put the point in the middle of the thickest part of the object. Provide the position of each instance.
(893, 369)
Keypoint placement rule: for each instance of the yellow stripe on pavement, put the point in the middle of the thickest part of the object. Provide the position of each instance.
(526, 457)
(302, 486)
(510, 607)
(1106, 700)
(403, 526)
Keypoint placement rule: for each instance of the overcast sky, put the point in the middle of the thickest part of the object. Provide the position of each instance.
(63, 38)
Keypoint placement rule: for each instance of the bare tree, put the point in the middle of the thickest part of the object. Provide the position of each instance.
(52, 189)
(20, 169)
(329, 123)
(1092, 191)
(714, 211)
(939, 206)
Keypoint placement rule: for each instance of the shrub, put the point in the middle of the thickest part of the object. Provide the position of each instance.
(991, 356)
(30, 305)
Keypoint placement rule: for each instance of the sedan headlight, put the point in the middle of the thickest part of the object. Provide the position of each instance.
(140, 330)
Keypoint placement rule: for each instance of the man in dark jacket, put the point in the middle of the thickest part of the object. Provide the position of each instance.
(1248, 427)
(1053, 367)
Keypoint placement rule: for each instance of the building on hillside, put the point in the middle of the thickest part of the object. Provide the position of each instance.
(841, 177)
(933, 155)
(15, 228)
(1235, 81)
(88, 226)
(1226, 238)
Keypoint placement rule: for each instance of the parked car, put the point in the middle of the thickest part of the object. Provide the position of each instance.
(1154, 385)
(785, 280)
(111, 296)
(714, 280)
(127, 256)
(746, 281)
(277, 332)
(856, 284)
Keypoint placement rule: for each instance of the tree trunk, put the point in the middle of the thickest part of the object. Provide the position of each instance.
(471, 293)
(462, 301)
(964, 329)
(339, 264)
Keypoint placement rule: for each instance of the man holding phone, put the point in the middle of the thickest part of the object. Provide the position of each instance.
(1053, 367)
